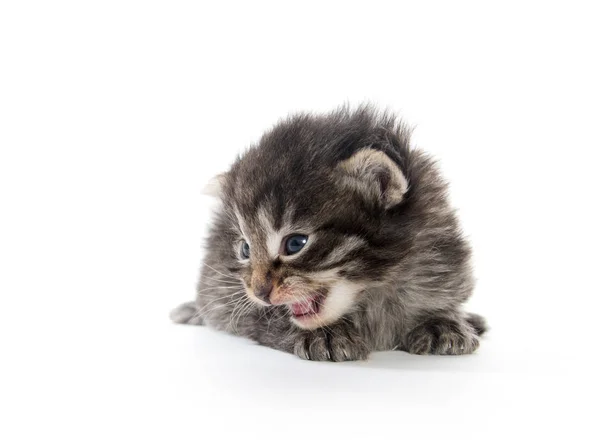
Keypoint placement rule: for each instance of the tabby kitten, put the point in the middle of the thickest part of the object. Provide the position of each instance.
(335, 239)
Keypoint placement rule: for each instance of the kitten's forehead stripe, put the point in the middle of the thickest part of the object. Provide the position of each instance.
(278, 210)
(267, 234)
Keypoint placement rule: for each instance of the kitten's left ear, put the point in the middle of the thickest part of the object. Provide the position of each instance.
(214, 187)
(373, 174)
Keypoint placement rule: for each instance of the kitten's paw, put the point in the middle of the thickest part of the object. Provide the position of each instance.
(330, 344)
(440, 336)
(186, 313)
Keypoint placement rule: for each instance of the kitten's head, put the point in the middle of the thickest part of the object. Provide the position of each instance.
(307, 213)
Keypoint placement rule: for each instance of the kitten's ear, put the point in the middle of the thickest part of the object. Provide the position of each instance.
(373, 174)
(214, 187)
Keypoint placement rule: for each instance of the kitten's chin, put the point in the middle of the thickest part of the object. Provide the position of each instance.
(325, 307)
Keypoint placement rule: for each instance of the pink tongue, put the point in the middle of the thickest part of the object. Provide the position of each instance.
(300, 308)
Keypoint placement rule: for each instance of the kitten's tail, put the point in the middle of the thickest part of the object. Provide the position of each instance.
(477, 322)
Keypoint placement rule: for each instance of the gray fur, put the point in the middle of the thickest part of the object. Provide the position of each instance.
(397, 253)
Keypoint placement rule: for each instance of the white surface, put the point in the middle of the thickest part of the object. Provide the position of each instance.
(113, 116)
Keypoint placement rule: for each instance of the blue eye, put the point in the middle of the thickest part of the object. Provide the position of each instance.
(294, 244)
(245, 250)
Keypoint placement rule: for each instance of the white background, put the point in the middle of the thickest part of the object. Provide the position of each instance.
(114, 114)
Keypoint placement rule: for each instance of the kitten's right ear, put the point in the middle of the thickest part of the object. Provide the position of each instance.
(214, 188)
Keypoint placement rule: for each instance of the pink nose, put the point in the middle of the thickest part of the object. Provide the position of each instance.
(263, 290)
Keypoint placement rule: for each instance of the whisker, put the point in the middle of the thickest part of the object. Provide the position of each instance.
(208, 304)
(213, 298)
(220, 287)
(220, 297)
(239, 310)
(219, 272)
(204, 311)
(219, 280)
(245, 311)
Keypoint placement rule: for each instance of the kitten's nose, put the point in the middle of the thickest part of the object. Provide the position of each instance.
(263, 290)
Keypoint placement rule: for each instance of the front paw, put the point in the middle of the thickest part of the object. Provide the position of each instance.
(335, 343)
(441, 336)
(186, 313)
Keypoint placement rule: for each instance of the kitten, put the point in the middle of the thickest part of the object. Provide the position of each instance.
(334, 239)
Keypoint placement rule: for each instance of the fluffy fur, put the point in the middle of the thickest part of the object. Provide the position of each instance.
(384, 265)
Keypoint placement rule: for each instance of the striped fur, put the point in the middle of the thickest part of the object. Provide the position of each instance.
(384, 246)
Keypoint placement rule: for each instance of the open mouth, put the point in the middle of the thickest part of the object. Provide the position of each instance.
(309, 306)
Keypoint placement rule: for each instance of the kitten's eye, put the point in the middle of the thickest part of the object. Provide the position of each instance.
(294, 244)
(245, 250)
